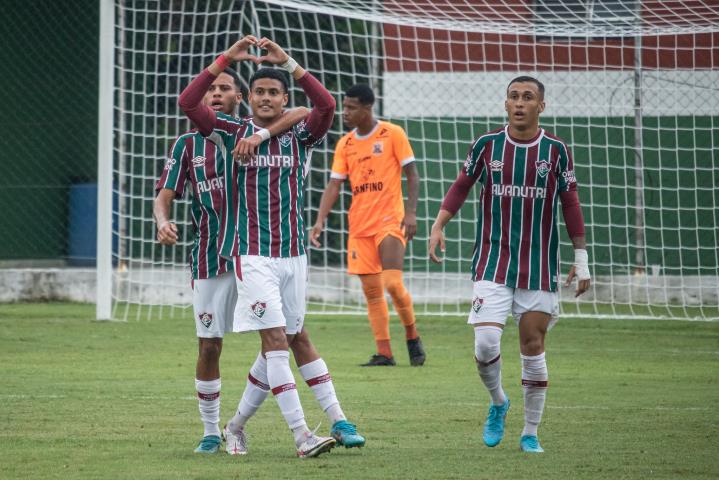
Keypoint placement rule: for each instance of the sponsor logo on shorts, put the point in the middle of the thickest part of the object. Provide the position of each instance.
(206, 319)
(258, 308)
(477, 304)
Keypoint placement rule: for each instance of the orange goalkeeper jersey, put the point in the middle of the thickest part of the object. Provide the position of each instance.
(373, 163)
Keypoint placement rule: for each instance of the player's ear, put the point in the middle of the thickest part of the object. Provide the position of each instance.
(541, 106)
(285, 98)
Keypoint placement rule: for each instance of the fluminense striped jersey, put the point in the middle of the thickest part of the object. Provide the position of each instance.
(517, 236)
(265, 198)
(196, 160)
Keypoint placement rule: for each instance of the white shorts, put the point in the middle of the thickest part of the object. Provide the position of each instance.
(213, 301)
(271, 293)
(493, 302)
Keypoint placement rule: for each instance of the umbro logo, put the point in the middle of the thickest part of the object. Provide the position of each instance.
(496, 165)
(198, 161)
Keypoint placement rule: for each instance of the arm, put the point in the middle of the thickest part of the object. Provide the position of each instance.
(329, 197)
(453, 200)
(190, 101)
(573, 219)
(410, 209)
(320, 119)
(246, 147)
(166, 230)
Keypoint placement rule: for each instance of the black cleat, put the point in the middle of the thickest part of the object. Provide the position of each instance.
(379, 361)
(416, 352)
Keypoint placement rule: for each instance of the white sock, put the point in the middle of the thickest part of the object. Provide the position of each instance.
(256, 391)
(319, 380)
(487, 341)
(282, 383)
(534, 381)
(208, 393)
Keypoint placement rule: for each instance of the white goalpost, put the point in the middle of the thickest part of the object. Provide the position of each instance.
(632, 86)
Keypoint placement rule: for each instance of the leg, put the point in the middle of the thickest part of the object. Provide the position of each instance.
(490, 306)
(255, 393)
(378, 315)
(391, 252)
(317, 376)
(532, 330)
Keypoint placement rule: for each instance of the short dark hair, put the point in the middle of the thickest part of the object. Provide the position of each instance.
(361, 92)
(235, 78)
(527, 78)
(272, 73)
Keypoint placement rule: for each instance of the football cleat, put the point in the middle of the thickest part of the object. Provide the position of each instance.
(416, 352)
(235, 444)
(530, 443)
(314, 445)
(346, 434)
(379, 361)
(494, 426)
(209, 444)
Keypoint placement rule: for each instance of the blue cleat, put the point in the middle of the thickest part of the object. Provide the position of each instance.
(209, 444)
(346, 434)
(494, 426)
(530, 443)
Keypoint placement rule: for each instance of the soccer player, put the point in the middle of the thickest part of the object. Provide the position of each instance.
(263, 232)
(200, 163)
(373, 156)
(523, 171)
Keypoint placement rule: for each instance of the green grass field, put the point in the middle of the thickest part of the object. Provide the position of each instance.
(87, 399)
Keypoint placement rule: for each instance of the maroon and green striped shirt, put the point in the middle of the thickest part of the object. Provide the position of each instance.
(517, 240)
(265, 198)
(196, 160)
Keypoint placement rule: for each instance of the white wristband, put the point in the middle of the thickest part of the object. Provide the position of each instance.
(263, 133)
(581, 264)
(290, 65)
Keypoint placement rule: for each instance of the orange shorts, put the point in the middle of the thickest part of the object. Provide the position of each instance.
(363, 252)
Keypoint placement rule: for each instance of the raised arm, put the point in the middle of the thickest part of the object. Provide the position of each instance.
(329, 197)
(320, 119)
(190, 101)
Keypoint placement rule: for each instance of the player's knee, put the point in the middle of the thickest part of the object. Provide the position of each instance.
(533, 345)
(210, 349)
(396, 288)
(487, 340)
(373, 288)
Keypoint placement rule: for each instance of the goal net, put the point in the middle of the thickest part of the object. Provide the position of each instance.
(631, 86)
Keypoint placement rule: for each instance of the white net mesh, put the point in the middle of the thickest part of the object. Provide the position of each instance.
(631, 86)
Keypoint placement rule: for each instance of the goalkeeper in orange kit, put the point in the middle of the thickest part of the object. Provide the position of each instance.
(373, 156)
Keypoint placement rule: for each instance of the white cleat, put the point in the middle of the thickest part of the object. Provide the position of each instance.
(235, 444)
(314, 445)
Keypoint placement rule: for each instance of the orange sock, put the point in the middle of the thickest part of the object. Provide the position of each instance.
(377, 312)
(402, 301)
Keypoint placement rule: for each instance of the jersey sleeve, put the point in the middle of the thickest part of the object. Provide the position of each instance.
(402, 148)
(305, 136)
(340, 168)
(567, 181)
(174, 175)
(474, 165)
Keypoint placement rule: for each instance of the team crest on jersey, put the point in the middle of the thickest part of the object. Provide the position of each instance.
(285, 139)
(258, 308)
(170, 163)
(542, 168)
(206, 319)
(496, 165)
(377, 148)
(477, 304)
(198, 161)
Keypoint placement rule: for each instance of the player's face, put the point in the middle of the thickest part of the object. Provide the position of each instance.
(222, 96)
(267, 98)
(353, 112)
(523, 105)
